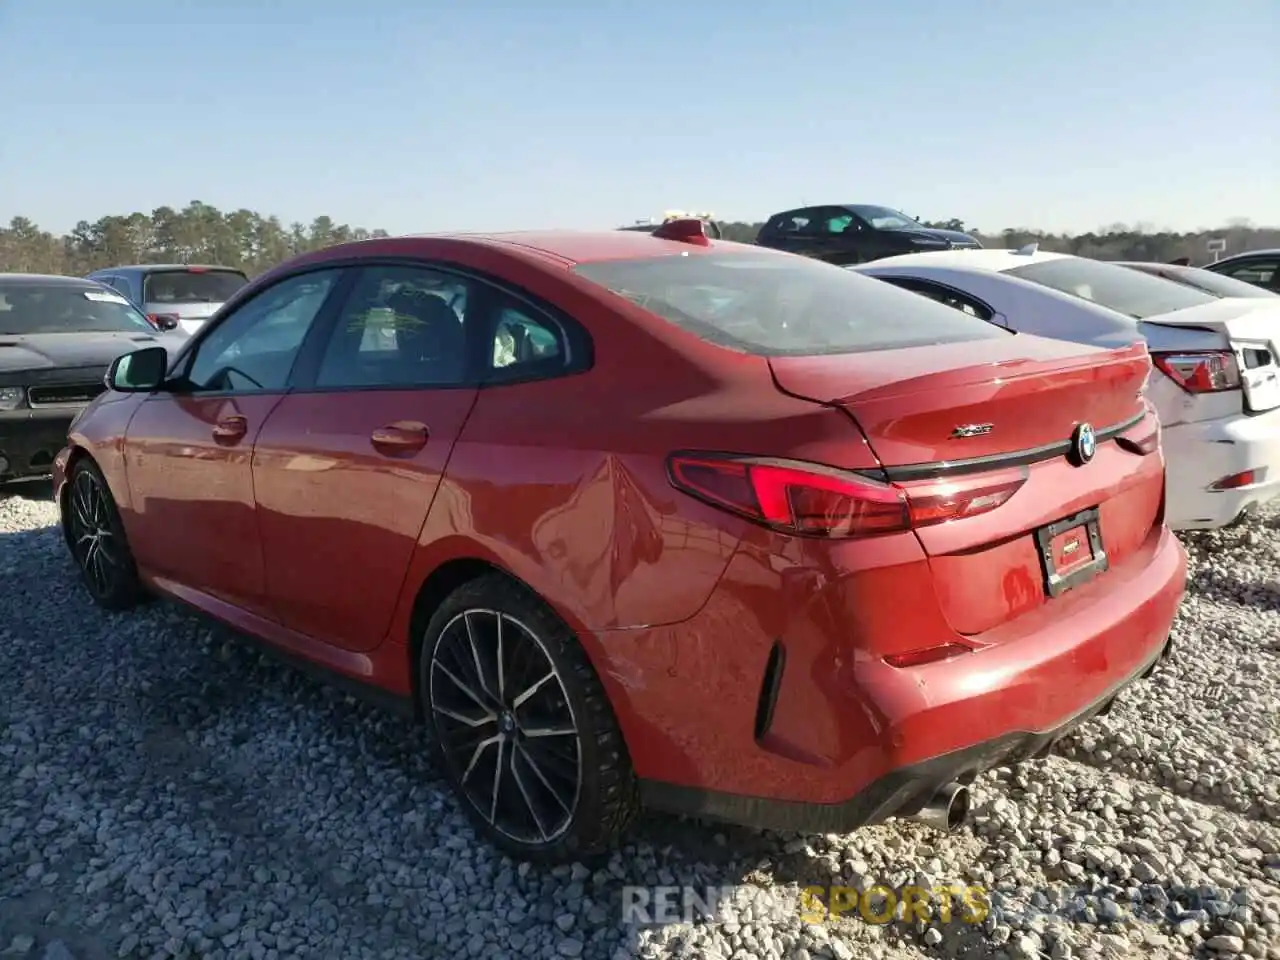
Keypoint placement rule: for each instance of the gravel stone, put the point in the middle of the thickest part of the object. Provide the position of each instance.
(167, 792)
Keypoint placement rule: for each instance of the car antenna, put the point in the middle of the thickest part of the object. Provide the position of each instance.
(1027, 251)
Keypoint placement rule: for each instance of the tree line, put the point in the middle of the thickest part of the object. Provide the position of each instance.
(253, 242)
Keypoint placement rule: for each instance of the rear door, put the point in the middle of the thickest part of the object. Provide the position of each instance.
(190, 295)
(797, 231)
(346, 467)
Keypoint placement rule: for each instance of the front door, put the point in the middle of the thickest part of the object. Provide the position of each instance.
(347, 465)
(188, 450)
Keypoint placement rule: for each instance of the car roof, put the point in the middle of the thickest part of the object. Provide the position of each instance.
(157, 267)
(46, 279)
(1267, 252)
(990, 260)
(565, 247)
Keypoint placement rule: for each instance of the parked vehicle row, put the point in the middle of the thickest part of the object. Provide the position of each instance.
(633, 518)
(1216, 378)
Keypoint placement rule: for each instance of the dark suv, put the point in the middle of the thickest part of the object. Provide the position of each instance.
(846, 233)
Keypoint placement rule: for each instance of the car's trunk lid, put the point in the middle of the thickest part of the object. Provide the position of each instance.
(964, 401)
(969, 413)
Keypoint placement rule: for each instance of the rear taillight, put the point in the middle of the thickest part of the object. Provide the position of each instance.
(812, 500)
(163, 321)
(1210, 371)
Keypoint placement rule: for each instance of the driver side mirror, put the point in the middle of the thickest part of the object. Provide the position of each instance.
(139, 372)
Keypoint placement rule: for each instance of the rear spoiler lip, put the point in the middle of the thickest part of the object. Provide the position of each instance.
(1018, 458)
(1129, 352)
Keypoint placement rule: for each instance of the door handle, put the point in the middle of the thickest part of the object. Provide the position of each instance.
(400, 438)
(230, 428)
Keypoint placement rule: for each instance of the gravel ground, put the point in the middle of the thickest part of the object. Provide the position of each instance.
(166, 791)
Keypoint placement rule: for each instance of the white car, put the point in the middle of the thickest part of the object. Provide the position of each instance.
(1215, 381)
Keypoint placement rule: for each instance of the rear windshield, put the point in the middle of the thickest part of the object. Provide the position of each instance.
(1217, 283)
(1130, 292)
(190, 286)
(28, 309)
(783, 305)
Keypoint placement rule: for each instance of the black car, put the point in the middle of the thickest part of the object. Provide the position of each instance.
(848, 233)
(58, 335)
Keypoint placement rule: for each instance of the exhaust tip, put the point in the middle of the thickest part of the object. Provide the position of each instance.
(958, 809)
(947, 810)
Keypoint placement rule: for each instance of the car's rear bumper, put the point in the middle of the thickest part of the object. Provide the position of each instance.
(902, 791)
(861, 741)
(30, 439)
(1201, 454)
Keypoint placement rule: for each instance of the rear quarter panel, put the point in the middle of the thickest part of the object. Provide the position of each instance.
(564, 484)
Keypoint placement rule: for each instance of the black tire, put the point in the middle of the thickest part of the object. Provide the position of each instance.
(107, 569)
(606, 801)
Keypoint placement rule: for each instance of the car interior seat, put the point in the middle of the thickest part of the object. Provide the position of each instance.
(429, 337)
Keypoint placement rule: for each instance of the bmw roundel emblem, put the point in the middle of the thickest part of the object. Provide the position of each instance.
(1084, 443)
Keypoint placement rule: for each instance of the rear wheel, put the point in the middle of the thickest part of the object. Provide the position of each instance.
(522, 725)
(97, 540)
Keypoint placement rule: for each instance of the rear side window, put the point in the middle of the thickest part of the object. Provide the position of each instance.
(192, 286)
(1122, 289)
(780, 305)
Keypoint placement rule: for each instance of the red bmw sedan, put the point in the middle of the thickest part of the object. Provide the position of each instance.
(634, 519)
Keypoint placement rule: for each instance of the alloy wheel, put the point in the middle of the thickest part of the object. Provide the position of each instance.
(506, 725)
(93, 541)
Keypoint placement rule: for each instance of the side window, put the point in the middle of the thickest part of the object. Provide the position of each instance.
(836, 222)
(121, 285)
(401, 326)
(945, 296)
(255, 347)
(1261, 273)
(793, 223)
(807, 223)
(125, 286)
(523, 338)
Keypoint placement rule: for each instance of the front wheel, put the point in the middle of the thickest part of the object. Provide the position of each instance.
(522, 725)
(96, 538)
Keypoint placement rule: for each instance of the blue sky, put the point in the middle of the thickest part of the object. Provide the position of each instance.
(484, 115)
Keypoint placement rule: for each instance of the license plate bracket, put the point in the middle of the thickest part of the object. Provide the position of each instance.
(1071, 551)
